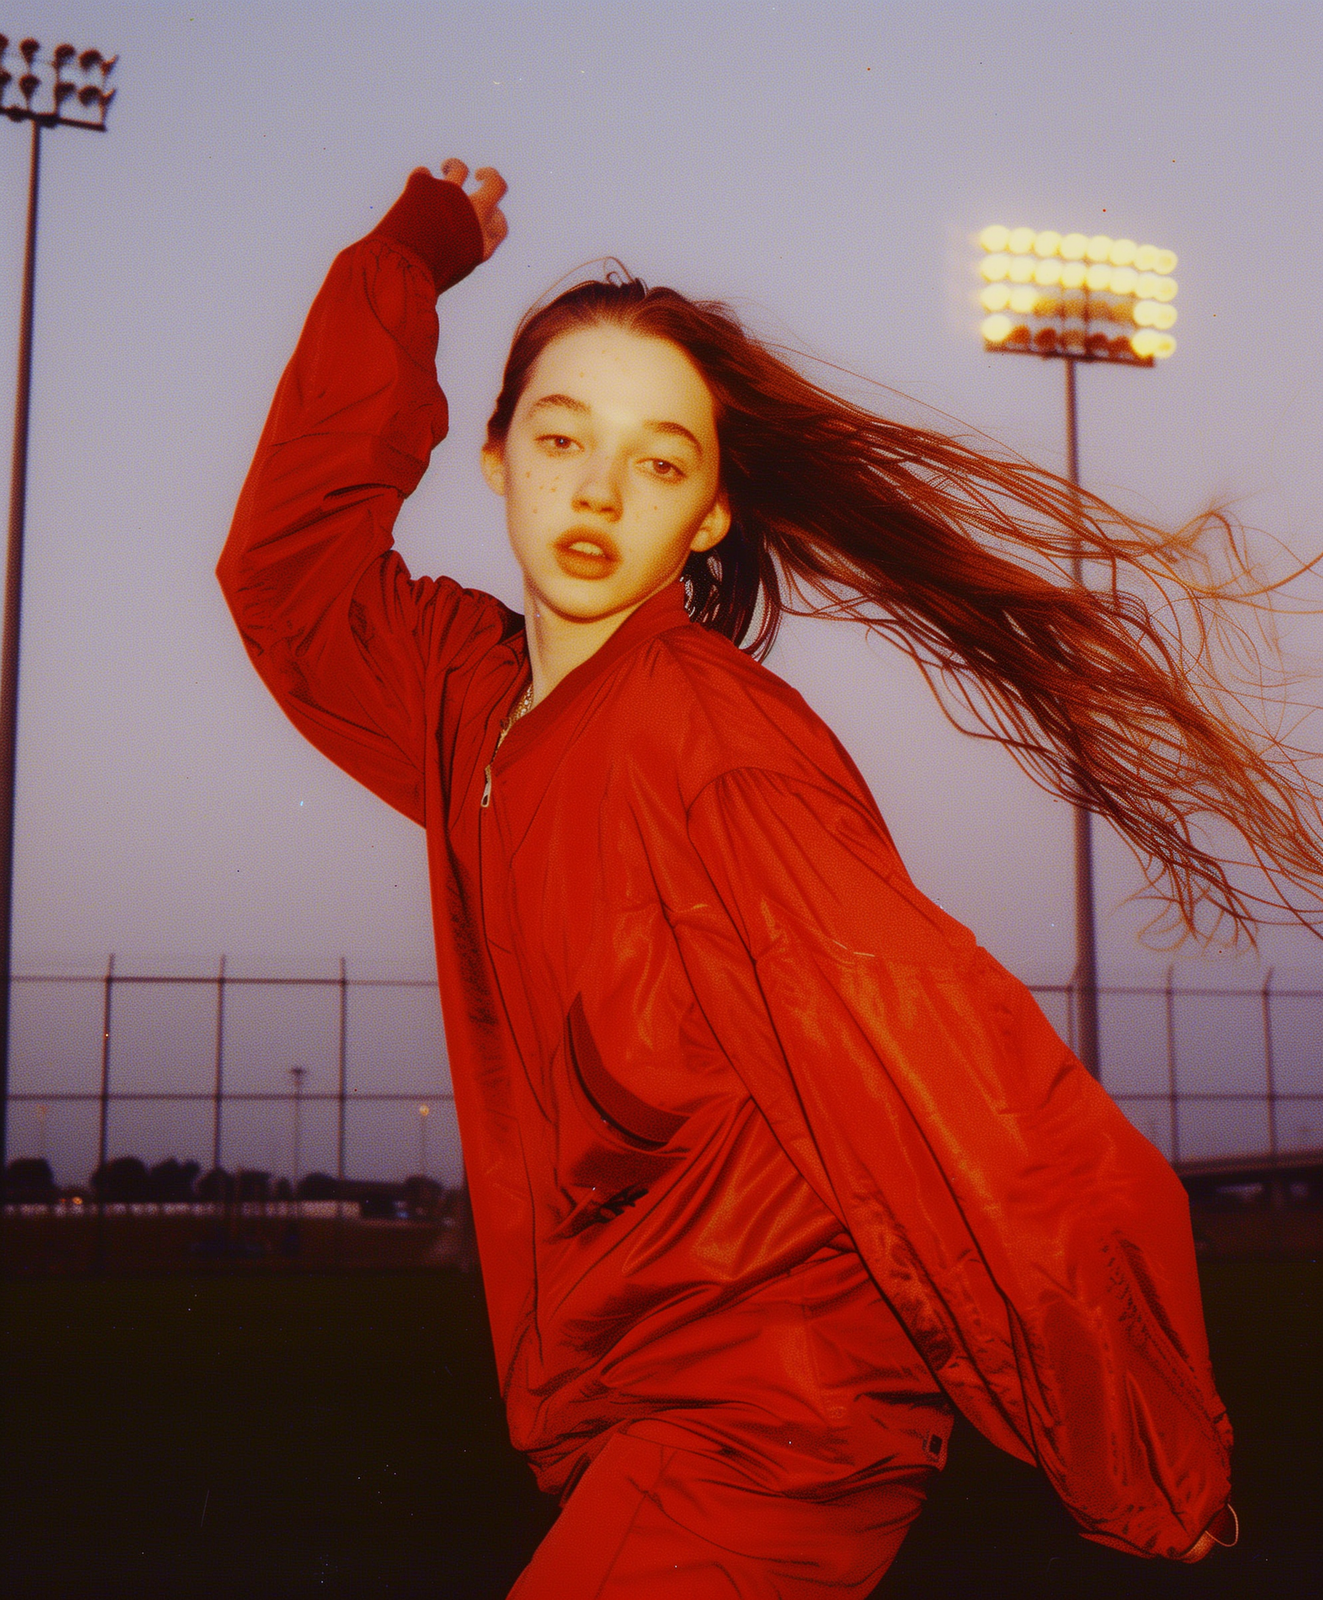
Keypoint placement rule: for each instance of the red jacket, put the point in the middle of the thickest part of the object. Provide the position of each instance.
(761, 1145)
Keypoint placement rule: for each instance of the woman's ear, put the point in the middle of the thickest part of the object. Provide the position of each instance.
(493, 466)
(714, 526)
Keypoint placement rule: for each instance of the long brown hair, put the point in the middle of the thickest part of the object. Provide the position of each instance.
(963, 558)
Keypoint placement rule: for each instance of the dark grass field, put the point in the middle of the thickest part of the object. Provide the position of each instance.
(342, 1436)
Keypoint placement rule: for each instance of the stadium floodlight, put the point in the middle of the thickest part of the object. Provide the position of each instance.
(50, 93)
(1077, 297)
(1102, 299)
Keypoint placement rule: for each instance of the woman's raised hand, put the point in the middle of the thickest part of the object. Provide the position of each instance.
(486, 200)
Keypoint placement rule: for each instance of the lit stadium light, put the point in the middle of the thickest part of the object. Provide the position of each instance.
(1076, 297)
(1081, 297)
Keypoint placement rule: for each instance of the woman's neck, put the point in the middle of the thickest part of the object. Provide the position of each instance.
(557, 644)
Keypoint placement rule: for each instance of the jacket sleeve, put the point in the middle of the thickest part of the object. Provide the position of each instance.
(1036, 1247)
(337, 629)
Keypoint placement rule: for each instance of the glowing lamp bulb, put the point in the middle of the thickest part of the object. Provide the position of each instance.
(1122, 252)
(1165, 262)
(1099, 248)
(1048, 272)
(1150, 342)
(1047, 243)
(1073, 274)
(1074, 246)
(996, 329)
(1099, 277)
(1024, 297)
(994, 268)
(1145, 258)
(994, 238)
(1021, 241)
(1123, 280)
(996, 297)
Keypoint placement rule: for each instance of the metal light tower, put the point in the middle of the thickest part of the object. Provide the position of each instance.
(1076, 298)
(69, 82)
(298, 1074)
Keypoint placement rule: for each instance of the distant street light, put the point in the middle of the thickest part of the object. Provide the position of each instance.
(77, 82)
(1078, 298)
(423, 1113)
(298, 1074)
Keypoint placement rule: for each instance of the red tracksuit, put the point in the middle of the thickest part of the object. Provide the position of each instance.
(770, 1162)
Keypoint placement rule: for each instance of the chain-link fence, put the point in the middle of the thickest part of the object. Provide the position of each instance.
(348, 1076)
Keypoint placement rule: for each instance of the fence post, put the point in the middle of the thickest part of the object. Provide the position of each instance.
(108, 983)
(1269, 1072)
(344, 1073)
(103, 1128)
(1171, 1063)
(219, 1092)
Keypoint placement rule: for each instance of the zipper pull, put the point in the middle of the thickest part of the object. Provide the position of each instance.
(487, 786)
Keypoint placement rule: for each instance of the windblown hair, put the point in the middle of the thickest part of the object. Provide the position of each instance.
(1117, 700)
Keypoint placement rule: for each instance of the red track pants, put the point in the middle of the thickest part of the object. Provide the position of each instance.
(651, 1522)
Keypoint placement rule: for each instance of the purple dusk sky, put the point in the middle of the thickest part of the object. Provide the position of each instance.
(824, 167)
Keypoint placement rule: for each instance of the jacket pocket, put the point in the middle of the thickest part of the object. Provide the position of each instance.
(638, 1124)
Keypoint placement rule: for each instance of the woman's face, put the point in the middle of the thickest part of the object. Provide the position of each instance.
(609, 472)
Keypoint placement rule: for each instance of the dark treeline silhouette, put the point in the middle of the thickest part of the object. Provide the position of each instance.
(128, 1180)
(30, 1179)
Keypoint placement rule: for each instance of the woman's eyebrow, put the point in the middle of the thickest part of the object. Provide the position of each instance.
(558, 402)
(679, 432)
(565, 402)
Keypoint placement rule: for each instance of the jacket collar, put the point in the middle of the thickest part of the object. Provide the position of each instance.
(665, 610)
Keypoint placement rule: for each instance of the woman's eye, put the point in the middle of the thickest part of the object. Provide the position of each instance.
(665, 469)
(557, 441)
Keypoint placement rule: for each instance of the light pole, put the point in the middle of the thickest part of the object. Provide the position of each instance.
(1076, 298)
(298, 1074)
(42, 102)
(423, 1113)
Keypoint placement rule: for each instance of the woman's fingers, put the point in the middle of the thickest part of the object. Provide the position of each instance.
(491, 186)
(493, 231)
(486, 200)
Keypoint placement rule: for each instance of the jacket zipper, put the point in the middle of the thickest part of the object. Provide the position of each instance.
(506, 725)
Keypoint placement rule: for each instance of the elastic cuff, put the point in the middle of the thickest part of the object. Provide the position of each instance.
(436, 220)
(1226, 1522)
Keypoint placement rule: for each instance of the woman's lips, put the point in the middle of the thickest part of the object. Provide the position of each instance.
(584, 554)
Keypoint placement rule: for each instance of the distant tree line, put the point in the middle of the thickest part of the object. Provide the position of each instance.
(127, 1180)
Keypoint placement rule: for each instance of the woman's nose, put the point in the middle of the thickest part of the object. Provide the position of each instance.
(598, 490)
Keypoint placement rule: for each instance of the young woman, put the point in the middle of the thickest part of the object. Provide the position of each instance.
(772, 1167)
